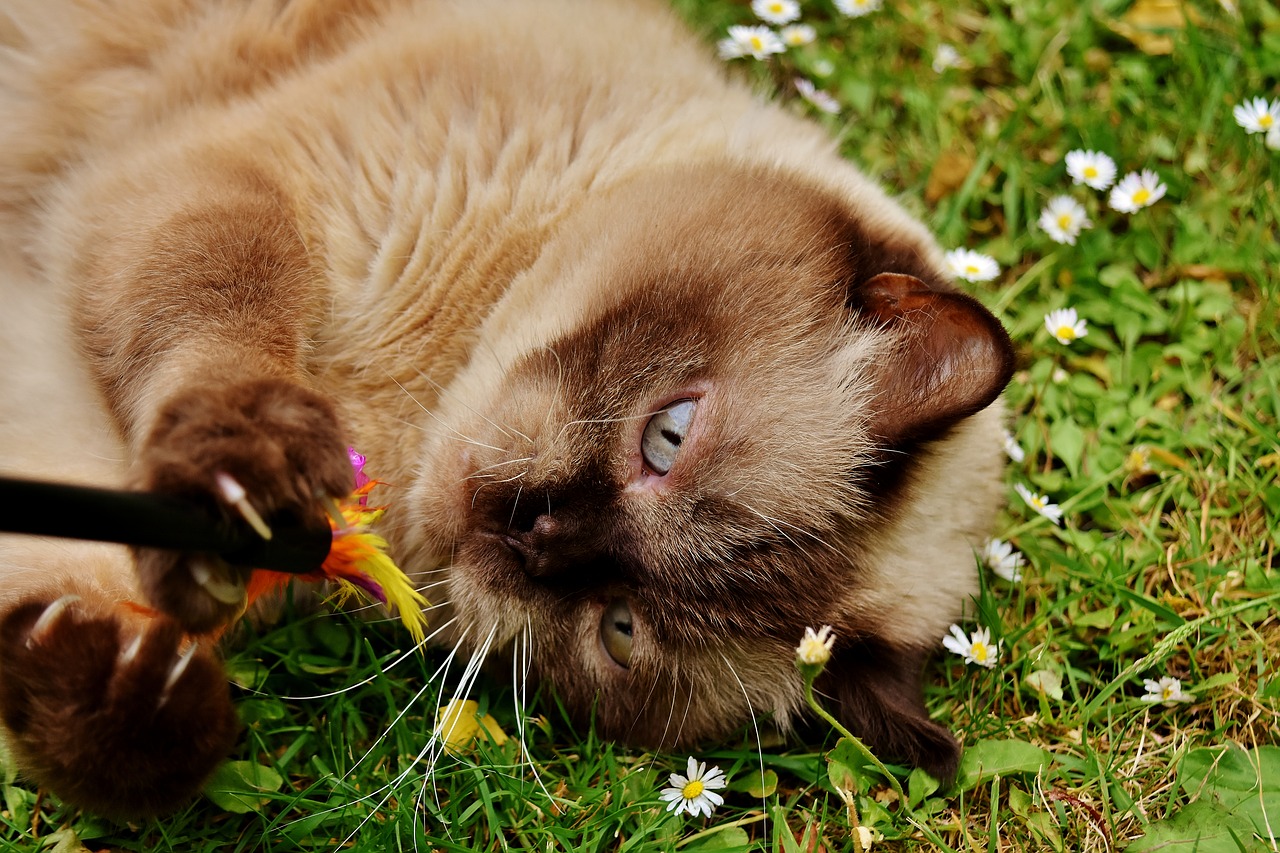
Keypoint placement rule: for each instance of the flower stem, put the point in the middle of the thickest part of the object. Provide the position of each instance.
(862, 747)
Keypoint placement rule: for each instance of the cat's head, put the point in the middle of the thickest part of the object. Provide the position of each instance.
(679, 437)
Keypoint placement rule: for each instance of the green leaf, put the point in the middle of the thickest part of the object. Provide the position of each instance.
(988, 758)
(1201, 827)
(1244, 782)
(729, 838)
(919, 786)
(1067, 441)
(238, 786)
(756, 784)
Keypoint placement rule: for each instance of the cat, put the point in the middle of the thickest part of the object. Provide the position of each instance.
(657, 378)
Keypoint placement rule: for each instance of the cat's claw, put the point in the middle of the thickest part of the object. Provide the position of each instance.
(48, 618)
(113, 711)
(253, 453)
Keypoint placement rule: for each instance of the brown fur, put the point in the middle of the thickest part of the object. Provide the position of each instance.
(485, 243)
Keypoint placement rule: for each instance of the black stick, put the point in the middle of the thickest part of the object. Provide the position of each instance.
(149, 520)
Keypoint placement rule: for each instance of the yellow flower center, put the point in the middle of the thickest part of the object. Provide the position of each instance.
(971, 269)
(979, 652)
(1091, 171)
(1141, 196)
(1266, 120)
(1064, 221)
(1036, 500)
(757, 43)
(775, 8)
(692, 789)
(1166, 692)
(1069, 333)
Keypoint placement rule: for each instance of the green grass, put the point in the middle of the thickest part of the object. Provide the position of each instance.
(1168, 568)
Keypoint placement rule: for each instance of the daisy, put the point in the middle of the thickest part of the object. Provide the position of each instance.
(1063, 218)
(758, 42)
(820, 99)
(1136, 191)
(1167, 690)
(972, 266)
(798, 35)
(776, 11)
(815, 647)
(857, 8)
(823, 68)
(1065, 325)
(1258, 115)
(975, 648)
(945, 57)
(696, 791)
(1003, 560)
(1091, 167)
(1012, 448)
(1040, 503)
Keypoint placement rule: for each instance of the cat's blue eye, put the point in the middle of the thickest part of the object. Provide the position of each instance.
(615, 632)
(665, 433)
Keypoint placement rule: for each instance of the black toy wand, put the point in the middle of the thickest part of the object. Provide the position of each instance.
(149, 520)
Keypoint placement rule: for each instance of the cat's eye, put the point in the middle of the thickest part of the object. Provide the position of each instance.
(615, 632)
(664, 434)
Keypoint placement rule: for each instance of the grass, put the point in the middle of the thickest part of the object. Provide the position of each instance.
(1166, 563)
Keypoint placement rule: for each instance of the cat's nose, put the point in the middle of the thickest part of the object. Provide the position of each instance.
(549, 547)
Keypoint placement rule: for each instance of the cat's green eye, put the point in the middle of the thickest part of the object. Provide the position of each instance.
(615, 632)
(664, 434)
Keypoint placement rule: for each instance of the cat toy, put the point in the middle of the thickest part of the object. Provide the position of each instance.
(346, 551)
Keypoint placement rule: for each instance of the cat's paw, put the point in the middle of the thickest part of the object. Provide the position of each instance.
(117, 713)
(279, 441)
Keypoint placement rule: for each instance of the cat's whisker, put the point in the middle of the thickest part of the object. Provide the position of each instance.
(755, 725)
(502, 463)
(443, 391)
(417, 647)
(777, 523)
(457, 436)
(391, 787)
(514, 505)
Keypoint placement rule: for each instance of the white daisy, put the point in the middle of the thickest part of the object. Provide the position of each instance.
(776, 11)
(820, 99)
(823, 68)
(975, 648)
(1040, 503)
(1091, 167)
(1012, 448)
(1136, 191)
(857, 8)
(758, 42)
(815, 647)
(972, 266)
(798, 35)
(1258, 115)
(1003, 560)
(1063, 218)
(1065, 325)
(1167, 690)
(695, 791)
(945, 57)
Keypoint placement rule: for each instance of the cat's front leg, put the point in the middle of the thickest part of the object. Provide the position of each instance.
(197, 317)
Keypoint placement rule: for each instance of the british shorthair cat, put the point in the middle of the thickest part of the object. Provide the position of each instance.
(657, 377)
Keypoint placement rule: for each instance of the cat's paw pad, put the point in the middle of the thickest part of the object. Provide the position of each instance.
(121, 716)
(274, 439)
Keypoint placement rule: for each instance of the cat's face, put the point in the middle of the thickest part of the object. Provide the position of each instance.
(664, 458)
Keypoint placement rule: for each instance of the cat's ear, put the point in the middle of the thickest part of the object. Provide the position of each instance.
(875, 692)
(953, 358)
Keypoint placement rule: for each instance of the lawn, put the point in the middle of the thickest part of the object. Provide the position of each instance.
(1154, 432)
